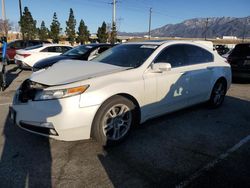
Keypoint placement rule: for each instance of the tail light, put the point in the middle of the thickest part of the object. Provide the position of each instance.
(24, 55)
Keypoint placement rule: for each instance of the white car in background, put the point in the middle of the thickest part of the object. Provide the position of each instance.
(124, 86)
(26, 58)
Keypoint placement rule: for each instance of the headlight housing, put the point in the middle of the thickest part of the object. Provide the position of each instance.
(59, 93)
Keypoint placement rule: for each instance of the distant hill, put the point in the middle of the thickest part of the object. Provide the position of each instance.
(195, 28)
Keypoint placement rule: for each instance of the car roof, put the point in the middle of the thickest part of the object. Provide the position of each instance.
(150, 42)
(98, 44)
(207, 44)
(48, 44)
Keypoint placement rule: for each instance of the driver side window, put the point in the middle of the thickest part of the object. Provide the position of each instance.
(173, 54)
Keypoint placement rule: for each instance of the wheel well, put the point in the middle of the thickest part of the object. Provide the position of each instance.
(223, 79)
(131, 98)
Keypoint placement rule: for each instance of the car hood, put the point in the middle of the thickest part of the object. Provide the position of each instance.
(47, 62)
(68, 71)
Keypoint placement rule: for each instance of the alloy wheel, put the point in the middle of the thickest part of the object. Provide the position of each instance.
(117, 121)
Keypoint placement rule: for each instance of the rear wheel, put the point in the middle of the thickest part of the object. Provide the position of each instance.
(218, 93)
(113, 120)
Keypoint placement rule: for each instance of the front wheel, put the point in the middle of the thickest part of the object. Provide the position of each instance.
(218, 93)
(113, 120)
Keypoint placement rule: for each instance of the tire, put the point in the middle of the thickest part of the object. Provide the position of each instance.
(113, 121)
(218, 93)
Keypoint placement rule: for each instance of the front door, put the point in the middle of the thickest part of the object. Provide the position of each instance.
(171, 87)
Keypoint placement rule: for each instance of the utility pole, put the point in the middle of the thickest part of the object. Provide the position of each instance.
(20, 8)
(113, 29)
(114, 13)
(3, 11)
(244, 30)
(5, 22)
(149, 24)
(206, 29)
(20, 12)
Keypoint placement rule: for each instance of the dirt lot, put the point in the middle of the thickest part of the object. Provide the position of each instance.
(195, 147)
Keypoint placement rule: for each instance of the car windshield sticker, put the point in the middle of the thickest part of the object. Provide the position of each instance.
(149, 46)
(89, 46)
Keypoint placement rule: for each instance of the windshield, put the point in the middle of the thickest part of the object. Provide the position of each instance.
(78, 51)
(126, 55)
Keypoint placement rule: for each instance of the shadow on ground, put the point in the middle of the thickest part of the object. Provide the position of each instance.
(11, 75)
(167, 150)
(160, 153)
(25, 159)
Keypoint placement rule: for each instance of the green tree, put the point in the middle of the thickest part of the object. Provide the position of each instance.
(55, 29)
(43, 32)
(28, 25)
(70, 27)
(102, 33)
(83, 33)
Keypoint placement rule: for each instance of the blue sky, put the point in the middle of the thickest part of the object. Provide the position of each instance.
(132, 15)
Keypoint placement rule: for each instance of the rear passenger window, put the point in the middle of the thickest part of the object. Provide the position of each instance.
(18, 44)
(196, 55)
(49, 49)
(33, 43)
(173, 55)
(61, 49)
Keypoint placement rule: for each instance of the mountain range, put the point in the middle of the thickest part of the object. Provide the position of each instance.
(199, 27)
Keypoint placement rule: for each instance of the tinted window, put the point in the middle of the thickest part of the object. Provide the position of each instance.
(126, 55)
(16, 44)
(61, 49)
(173, 55)
(103, 48)
(33, 43)
(65, 49)
(196, 55)
(78, 51)
(49, 49)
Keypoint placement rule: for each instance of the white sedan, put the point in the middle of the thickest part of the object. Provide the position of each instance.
(26, 58)
(126, 85)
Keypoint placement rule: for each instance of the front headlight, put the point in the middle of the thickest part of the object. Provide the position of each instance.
(60, 93)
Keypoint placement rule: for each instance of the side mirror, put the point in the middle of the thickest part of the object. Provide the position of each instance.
(161, 67)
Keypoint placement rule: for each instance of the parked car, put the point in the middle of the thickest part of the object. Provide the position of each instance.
(20, 44)
(221, 49)
(239, 60)
(124, 86)
(27, 57)
(82, 52)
